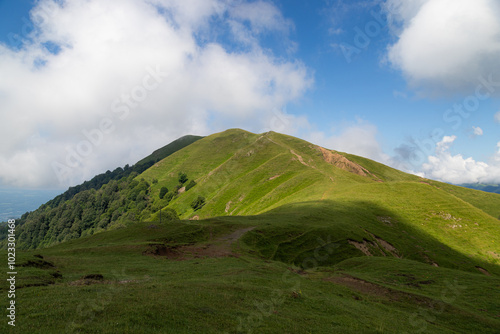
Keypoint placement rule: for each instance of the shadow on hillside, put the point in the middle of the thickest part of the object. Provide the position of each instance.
(330, 232)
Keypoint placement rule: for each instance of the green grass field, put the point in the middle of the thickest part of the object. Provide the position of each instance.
(283, 276)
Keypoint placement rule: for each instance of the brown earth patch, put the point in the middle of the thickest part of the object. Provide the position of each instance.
(369, 247)
(362, 246)
(221, 247)
(274, 177)
(388, 247)
(338, 160)
(484, 271)
(82, 282)
(301, 160)
(372, 289)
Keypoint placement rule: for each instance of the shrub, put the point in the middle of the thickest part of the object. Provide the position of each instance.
(169, 214)
(190, 185)
(169, 196)
(163, 191)
(198, 203)
(183, 178)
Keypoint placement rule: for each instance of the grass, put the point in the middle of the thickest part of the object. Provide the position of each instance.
(265, 288)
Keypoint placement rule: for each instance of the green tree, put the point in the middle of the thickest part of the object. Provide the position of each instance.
(198, 203)
(190, 185)
(182, 178)
(163, 191)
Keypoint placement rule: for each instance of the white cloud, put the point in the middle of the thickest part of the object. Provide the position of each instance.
(108, 50)
(359, 139)
(444, 46)
(497, 117)
(456, 169)
(477, 131)
(262, 16)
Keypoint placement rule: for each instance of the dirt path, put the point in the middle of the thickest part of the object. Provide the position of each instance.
(368, 288)
(221, 247)
(235, 236)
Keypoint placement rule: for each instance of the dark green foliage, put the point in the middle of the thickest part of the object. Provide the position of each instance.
(99, 180)
(88, 211)
(168, 197)
(190, 185)
(169, 149)
(182, 178)
(169, 215)
(198, 203)
(163, 192)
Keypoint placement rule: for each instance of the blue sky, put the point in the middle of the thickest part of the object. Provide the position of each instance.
(381, 79)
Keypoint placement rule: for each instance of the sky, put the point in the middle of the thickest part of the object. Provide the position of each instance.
(91, 85)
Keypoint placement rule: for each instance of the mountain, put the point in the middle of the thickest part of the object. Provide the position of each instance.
(240, 232)
(492, 188)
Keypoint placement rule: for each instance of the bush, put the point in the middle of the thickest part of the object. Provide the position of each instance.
(183, 178)
(168, 214)
(163, 191)
(169, 196)
(190, 185)
(198, 203)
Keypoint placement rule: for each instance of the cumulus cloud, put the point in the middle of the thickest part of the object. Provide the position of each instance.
(477, 131)
(445, 46)
(359, 139)
(102, 83)
(456, 169)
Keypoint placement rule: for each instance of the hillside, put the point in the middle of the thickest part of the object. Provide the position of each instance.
(239, 173)
(91, 206)
(264, 233)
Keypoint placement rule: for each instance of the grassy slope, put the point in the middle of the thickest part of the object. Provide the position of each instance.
(144, 294)
(241, 173)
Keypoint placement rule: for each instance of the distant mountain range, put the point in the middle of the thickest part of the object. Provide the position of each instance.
(492, 188)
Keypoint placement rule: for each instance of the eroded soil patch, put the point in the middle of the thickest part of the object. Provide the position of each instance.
(368, 288)
(221, 247)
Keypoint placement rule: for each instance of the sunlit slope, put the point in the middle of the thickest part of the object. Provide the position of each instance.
(239, 173)
(486, 201)
(243, 173)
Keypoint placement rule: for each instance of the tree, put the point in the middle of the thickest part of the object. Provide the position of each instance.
(168, 215)
(163, 191)
(182, 178)
(190, 185)
(198, 203)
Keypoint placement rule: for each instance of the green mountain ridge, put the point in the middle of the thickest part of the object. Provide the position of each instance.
(345, 244)
(492, 188)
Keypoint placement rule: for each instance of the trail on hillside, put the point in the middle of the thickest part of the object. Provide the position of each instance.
(220, 247)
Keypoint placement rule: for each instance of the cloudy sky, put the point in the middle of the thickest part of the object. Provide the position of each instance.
(90, 85)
